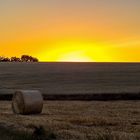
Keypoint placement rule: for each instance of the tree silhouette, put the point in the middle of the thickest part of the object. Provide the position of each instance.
(4, 59)
(24, 58)
(27, 58)
(33, 59)
(15, 59)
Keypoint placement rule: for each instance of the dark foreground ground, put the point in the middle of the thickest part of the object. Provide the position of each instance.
(73, 120)
(70, 78)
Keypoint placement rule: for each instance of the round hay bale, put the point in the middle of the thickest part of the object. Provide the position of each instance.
(27, 102)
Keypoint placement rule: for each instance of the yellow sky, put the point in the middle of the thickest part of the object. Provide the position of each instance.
(76, 30)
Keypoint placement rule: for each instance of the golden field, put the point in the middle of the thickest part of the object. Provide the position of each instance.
(117, 120)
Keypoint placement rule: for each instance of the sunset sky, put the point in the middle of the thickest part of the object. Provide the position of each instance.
(71, 30)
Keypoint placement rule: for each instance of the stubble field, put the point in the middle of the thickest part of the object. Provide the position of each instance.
(64, 120)
(70, 78)
(75, 120)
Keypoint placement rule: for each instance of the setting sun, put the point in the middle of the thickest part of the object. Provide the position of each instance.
(75, 57)
(83, 31)
(70, 69)
(72, 51)
(90, 51)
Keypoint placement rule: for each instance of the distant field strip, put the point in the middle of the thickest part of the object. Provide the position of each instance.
(72, 81)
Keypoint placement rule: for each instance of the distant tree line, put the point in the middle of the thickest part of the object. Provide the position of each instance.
(23, 58)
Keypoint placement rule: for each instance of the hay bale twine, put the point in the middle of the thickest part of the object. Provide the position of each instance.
(27, 102)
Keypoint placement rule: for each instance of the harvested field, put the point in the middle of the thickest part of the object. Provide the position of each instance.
(71, 120)
(72, 81)
(80, 120)
(70, 78)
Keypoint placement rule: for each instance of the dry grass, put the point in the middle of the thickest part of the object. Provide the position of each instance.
(81, 120)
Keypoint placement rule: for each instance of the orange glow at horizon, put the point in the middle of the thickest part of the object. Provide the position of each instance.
(86, 51)
(79, 51)
(72, 31)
